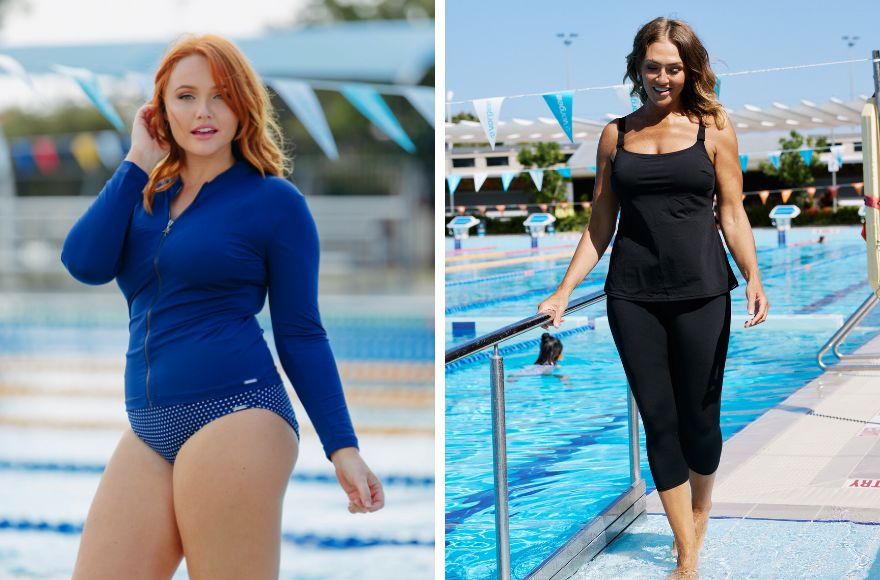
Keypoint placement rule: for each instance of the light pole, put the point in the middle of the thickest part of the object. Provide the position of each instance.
(850, 43)
(449, 95)
(567, 39)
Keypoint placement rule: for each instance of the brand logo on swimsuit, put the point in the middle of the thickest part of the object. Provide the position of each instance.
(240, 408)
(250, 381)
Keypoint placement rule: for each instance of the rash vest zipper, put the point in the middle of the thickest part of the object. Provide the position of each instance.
(159, 286)
(155, 299)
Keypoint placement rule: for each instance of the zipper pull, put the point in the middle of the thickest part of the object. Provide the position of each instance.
(167, 228)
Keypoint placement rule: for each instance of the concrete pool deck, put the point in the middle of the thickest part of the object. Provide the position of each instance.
(814, 457)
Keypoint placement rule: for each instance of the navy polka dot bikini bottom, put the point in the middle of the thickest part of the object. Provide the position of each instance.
(166, 429)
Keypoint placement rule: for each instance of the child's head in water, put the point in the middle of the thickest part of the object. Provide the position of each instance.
(551, 350)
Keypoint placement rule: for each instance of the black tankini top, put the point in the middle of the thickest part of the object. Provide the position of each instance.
(667, 245)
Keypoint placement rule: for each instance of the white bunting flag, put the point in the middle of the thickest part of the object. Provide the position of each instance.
(489, 112)
(479, 180)
(537, 177)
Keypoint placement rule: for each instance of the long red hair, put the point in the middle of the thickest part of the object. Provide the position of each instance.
(258, 140)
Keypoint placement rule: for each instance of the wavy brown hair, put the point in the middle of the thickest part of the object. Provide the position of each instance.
(258, 139)
(698, 95)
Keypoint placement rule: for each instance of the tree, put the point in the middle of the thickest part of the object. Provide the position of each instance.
(322, 11)
(793, 171)
(465, 116)
(544, 155)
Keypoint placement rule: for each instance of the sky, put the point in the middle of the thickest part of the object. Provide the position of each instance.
(34, 22)
(509, 47)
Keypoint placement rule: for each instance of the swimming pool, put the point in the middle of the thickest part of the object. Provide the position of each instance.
(567, 434)
(62, 412)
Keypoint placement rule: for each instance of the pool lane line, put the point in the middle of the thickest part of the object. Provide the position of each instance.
(51, 467)
(499, 263)
(366, 397)
(503, 253)
(542, 292)
(495, 277)
(117, 425)
(765, 276)
(832, 298)
(307, 540)
(470, 250)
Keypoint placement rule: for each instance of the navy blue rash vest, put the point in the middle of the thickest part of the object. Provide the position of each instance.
(195, 285)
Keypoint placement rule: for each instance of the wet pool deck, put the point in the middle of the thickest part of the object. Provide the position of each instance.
(797, 493)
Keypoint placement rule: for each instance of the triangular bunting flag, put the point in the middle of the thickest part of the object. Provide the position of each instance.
(479, 180)
(489, 112)
(774, 158)
(88, 82)
(369, 102)
(85, 151)
(110, 150)
(622, 92)
(564, 172)
(301, 99)
(507, 178)
(807, 156)
(143, 82)
(537, 177)
(635, 102)
(561, 106)
(453, 181)
(743, 162)
(14, 68)
(422, 99)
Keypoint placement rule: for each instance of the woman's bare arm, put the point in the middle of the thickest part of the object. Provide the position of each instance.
(597, 235)
(734, 221)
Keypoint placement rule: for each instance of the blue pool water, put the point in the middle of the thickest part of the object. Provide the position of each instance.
(567, 433)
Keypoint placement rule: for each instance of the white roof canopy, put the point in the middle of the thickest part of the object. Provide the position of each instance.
(801, 117)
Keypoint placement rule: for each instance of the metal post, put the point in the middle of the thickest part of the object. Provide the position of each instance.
(499, 465)
(635, 468)
(875, 62)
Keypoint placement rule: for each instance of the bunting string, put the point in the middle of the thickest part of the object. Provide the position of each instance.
(730, 74)
(566, 205)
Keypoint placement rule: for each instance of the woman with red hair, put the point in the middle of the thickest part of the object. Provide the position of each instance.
(197, 225)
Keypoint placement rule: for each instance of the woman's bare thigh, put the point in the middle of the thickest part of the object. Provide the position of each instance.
(131, 531)
(229, 484)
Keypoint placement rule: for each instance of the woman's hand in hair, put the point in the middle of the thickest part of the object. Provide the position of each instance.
(147, 149)
(554, 306)
(364, 490)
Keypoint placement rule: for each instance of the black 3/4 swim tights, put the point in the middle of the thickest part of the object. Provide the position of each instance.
(673, 354)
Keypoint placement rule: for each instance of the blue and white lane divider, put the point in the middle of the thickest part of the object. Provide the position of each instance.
(305, 540)
(387, 480)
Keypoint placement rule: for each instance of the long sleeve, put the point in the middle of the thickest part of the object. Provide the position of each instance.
(93, 248)
(300, 339)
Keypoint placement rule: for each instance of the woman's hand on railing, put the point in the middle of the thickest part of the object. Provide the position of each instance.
(554, 306)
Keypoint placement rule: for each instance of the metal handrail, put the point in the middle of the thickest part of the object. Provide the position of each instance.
(517, 328)
(842, 333)
(499, 439)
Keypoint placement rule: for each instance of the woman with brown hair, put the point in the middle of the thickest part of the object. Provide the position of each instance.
(196, 226)
(669, 280)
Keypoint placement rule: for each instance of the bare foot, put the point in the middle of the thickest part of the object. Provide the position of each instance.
(682, 573)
